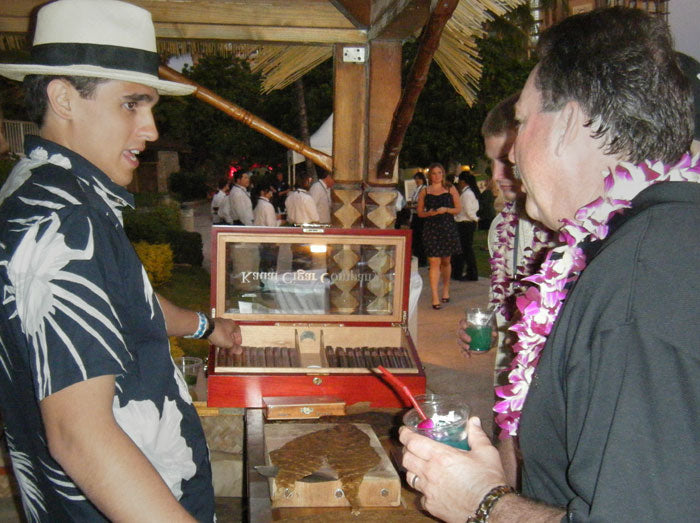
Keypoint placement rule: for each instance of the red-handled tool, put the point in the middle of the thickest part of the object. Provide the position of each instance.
(401, 387)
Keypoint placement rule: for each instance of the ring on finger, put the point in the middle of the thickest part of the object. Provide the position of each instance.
(414, 480)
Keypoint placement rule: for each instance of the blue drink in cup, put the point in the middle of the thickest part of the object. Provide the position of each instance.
(479, 321)
(449, 414)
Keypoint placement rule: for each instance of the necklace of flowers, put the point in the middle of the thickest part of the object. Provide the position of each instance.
(504, 285)
(542, 302)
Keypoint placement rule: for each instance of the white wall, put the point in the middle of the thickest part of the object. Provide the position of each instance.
(683, 18)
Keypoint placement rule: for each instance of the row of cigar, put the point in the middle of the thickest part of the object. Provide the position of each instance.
(368, 357)
(337, 357)
(263, 357)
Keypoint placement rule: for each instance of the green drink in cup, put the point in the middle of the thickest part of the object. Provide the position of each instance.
(479, 326)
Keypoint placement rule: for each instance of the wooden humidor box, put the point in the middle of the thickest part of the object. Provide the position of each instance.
(319, 309)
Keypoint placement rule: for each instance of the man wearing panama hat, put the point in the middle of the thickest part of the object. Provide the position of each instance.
(99, 421)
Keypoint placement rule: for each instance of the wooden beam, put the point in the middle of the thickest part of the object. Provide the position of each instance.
(384, 95)
(391, 12)
(357, 11)
(258, 124)
(349, 118)
(430, 39)
(250, 33)
(406, 24)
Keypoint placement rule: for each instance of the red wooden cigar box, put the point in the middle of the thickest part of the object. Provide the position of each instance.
(319, 310)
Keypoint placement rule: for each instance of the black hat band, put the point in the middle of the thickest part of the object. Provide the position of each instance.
(108, 56)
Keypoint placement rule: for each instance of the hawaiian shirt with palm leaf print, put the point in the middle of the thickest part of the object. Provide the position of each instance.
(77, 304)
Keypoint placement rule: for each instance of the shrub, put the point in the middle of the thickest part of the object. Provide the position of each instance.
(187, 247)
(152, 224)
(6, 165)
(188, 186)
(157, 259)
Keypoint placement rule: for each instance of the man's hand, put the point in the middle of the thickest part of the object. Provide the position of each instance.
(227, 335)
(453, 482)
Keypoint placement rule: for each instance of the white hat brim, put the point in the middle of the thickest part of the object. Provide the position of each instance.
(164, 87)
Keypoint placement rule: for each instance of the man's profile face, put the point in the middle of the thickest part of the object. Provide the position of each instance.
(111, 128)
(497, 149)
(244, 180)
(533, 154)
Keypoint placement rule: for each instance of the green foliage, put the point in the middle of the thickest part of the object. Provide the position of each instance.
(217, 140)
(189, 288)
(444, 128)
(187, 247)
(188, 186)
(152, 224)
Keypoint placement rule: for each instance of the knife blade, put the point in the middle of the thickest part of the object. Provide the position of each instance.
(319, 476)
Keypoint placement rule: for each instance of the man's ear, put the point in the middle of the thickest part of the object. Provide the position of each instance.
(60, 94)
(568, 126)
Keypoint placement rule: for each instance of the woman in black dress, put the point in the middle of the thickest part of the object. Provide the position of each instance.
(416, 221)
(437, 205)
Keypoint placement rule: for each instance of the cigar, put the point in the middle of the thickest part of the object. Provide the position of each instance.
(294, 357)
(384, 357)
(269, 355)
(330, 356)
(376, 360)
(342, 360)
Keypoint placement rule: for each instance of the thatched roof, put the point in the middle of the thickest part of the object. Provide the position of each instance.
(286, 38)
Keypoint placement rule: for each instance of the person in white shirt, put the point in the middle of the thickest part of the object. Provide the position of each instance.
(300, 205)
(240, 211)
(264, 213)
(320, 191)
(217, 200)
(466, 226)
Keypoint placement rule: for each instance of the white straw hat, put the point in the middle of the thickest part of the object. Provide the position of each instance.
(98, 38)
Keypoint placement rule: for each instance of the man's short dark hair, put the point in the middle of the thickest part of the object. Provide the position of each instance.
(501, 118)
(302, 179)
(619, 65)
(264, 187)
(239, 174)
(223, 182)
(36, 99)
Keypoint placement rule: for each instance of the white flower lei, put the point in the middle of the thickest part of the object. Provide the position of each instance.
(505, 286)
(541, 303)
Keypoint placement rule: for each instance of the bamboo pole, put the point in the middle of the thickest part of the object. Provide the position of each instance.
(319, 158)
(430, 39)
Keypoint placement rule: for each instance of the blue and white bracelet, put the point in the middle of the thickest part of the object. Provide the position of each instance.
(204, 328)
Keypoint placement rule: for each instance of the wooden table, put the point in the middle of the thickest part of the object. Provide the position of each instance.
(257, 488)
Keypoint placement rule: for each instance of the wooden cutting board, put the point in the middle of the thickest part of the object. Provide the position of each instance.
(381, 486)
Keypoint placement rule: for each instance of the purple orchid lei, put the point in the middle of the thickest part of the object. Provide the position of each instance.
(504, 285)
(541, 303)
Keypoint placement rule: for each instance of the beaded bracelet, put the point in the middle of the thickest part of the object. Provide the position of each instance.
(482, 512)
(204, 325)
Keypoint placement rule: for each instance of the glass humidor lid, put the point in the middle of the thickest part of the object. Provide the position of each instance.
(288, 275)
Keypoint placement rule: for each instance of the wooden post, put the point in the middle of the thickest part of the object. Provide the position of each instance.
(384, 95)
(350, 110)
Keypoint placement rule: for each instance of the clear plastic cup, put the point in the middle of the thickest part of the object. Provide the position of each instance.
(479, 328)
(450, 416)
(190, 367)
